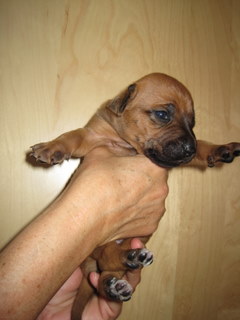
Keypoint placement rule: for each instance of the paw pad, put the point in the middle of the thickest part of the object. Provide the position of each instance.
(225, 153)
(138, 258)
(119, 290)
(49, 153)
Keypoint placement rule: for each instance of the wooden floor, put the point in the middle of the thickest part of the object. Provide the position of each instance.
(60, 59)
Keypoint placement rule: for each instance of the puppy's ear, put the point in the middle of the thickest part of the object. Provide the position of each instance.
(119, 103)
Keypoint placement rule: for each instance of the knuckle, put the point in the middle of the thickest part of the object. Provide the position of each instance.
(164, 190)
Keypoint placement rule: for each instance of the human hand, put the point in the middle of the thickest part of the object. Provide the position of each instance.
(108, 198)
(98, 308)
(129, 193)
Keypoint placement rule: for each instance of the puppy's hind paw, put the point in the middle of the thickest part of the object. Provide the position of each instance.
(118, 290)
(137, 258)
(224, 153)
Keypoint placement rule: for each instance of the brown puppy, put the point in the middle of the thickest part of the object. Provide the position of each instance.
(155, 117)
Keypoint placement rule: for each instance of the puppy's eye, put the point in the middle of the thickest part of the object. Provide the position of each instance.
(163, 115)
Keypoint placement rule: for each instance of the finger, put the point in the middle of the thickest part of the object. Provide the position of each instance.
(94, 278)
(108, 309)
(136, 244)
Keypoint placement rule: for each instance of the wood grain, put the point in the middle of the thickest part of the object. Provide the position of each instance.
(60, 59)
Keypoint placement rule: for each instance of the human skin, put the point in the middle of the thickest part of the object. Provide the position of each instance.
(97, 308)
(126, 193)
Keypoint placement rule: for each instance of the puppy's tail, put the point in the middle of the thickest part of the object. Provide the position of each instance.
(85, 292)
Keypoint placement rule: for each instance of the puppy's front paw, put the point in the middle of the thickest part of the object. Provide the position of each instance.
(224, 153)
(118, 290)
(137, 258)
(50, 152)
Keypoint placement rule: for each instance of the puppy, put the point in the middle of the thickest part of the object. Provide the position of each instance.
(153, 116)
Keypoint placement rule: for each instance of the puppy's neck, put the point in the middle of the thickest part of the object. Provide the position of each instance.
(102, 126)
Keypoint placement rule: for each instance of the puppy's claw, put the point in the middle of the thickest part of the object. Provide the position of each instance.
(236, 153)
(225, 153)
(50, 153)
(137, 258)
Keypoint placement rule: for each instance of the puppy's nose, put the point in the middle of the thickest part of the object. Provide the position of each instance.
(180, 149)
(189, 149)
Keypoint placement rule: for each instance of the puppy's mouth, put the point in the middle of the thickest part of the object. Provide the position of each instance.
(159, 160)
(165, 160)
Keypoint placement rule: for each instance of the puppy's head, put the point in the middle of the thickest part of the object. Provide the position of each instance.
(155, 115)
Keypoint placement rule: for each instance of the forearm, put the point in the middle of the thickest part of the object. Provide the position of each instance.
(108, 198)
(44, 255)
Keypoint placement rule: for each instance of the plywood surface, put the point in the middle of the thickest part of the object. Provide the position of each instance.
(59, 60)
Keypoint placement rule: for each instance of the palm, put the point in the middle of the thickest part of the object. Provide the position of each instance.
(59, 308)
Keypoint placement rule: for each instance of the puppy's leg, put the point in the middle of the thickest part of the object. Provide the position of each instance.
(210, 155)
(75, 143)
(114, 260)
(112, 287)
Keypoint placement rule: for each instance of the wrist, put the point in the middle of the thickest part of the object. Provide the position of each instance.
(83, 205)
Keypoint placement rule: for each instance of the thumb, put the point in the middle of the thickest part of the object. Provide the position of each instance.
(94, 277)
